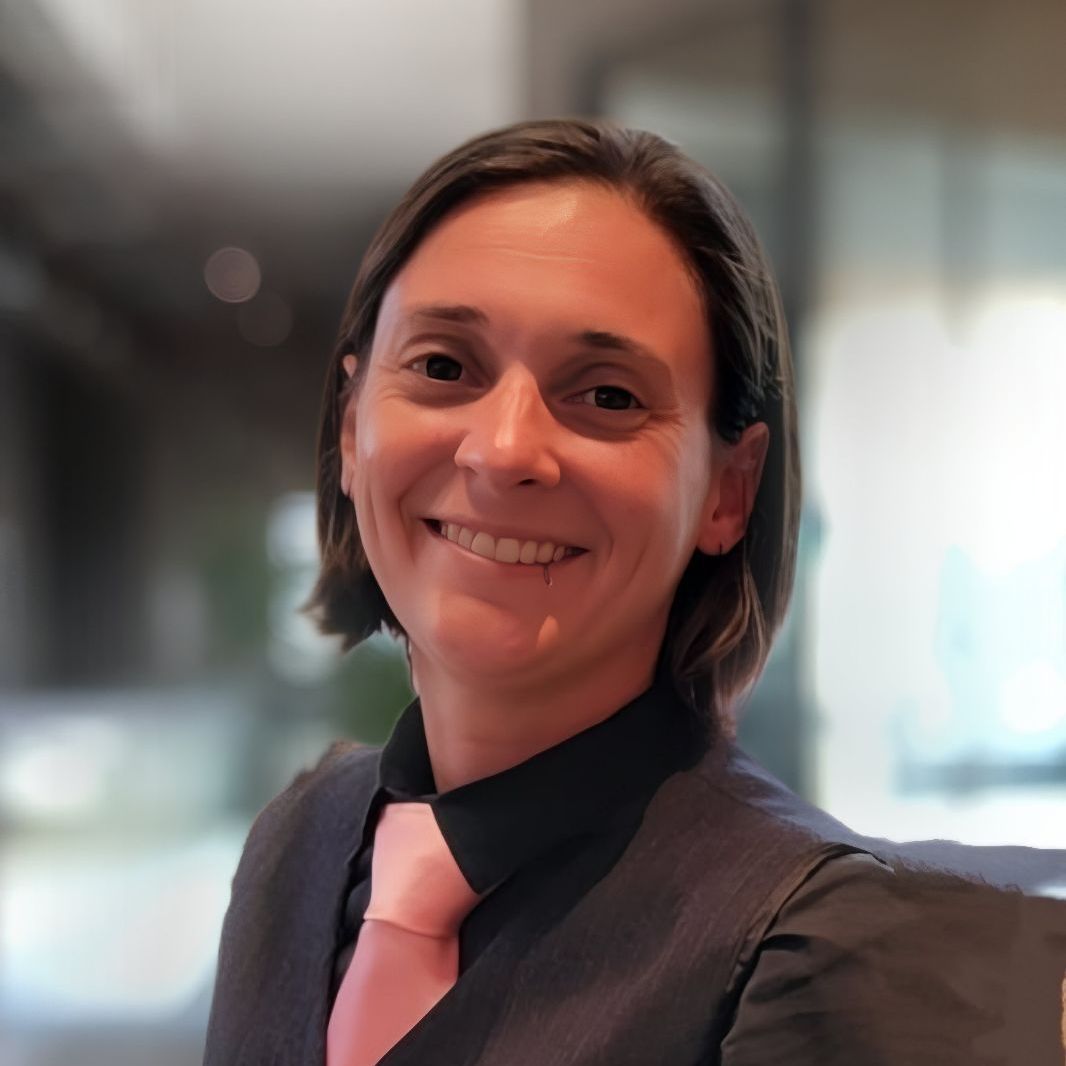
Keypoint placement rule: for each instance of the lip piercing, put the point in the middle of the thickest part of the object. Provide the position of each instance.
(547, 576)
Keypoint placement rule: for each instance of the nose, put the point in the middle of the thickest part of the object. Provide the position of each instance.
(510, 434)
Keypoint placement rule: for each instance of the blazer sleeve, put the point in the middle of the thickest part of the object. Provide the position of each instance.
(871, 963)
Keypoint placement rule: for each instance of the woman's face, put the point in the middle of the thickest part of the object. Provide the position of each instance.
(540, 372)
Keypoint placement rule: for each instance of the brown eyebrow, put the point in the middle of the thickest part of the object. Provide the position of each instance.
(606, 341)
(461, 313)
(602, 339)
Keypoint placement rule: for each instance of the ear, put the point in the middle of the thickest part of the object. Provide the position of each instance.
(735, 482)
(347, 441)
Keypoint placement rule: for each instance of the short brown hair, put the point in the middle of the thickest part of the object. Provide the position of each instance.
(726, 608)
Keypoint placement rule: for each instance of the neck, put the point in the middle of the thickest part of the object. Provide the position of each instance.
(474, 729)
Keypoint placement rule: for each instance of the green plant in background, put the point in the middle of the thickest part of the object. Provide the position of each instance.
(236, 576)
(369, 691)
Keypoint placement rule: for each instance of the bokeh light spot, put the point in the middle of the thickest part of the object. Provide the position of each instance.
(232, 275)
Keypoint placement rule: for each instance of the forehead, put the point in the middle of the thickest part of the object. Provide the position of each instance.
(544, 257)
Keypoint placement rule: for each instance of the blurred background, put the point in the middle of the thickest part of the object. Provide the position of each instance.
(185, 193)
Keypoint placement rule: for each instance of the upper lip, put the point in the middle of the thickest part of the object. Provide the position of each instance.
(496, 531)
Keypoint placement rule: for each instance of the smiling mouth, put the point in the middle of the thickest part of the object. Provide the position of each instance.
(503, 549)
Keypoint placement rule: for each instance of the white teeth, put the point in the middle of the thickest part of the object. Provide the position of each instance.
(506, 549)
(483, 544)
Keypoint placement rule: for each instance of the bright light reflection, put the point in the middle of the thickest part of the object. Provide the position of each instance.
(106, 929)
(1009, 437)
(62, 769)
(1033, 700)
(941, 459)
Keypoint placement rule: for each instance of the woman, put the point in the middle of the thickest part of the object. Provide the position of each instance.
(558, 459)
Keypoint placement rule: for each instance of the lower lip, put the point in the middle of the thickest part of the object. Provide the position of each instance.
(513, 568)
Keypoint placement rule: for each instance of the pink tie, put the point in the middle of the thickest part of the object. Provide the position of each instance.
(407, 952)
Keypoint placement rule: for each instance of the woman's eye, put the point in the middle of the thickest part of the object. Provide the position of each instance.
(440, 367)
(610, 398)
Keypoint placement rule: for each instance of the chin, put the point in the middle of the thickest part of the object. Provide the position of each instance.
(473, 639)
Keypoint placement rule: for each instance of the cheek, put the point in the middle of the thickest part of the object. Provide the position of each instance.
(373, 475)
(663, 494)
(398, 447)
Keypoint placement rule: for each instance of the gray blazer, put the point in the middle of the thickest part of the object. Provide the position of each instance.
(647, 963)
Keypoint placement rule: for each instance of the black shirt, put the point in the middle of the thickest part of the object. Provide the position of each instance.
(564, 797)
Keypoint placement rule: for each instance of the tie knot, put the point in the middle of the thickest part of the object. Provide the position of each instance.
(415, 883)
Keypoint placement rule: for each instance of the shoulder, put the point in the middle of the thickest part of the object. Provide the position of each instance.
(869, 961)
(314, 801)
(740, 788)
(346, 765)
(733, 822)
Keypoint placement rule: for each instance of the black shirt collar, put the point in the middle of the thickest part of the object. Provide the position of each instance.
(500, 823)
